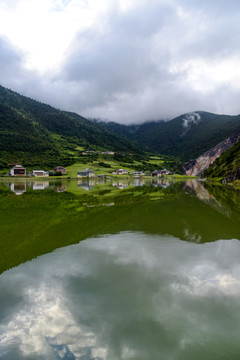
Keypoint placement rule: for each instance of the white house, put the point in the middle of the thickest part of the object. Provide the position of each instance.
(40, 173)
(138, 174)
(18, 170)
(120, 172)
(86, 173)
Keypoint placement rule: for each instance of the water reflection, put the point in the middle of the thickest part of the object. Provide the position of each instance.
(40, 185)
(86, 184)
(197, 188)
(120, 184)
(128, 296)
(18, 188)
(59, 187)
(162, 182)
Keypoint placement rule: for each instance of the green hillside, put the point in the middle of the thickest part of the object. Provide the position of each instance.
(33, 133)
(36, 134)
(186, 136)
(227, 165)
(26, 141)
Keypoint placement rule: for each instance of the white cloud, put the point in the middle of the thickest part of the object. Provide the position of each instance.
(125, 60)
(121, 294)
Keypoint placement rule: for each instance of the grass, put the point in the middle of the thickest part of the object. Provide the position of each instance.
(179, 176)
(236, 184)
(99, 170)
(156, 162)
(111, 165)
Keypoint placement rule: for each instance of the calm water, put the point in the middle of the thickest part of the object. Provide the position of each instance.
(157, 275)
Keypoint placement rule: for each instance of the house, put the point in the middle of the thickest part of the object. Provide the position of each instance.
(160, 173)
(108, 153)
(166, 172)
(86, 173)
(60, 169)
(120, 172)
(18, 170)
(156, 173)
(40, 173)
(138, 174)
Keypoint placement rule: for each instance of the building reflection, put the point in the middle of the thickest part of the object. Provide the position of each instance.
(59, 188)
(40, 185)
(86, 184)
(18, 188)
(163, 183)
(138, 182)
(120, 184)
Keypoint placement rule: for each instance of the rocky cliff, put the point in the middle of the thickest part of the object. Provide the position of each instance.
(197, 166)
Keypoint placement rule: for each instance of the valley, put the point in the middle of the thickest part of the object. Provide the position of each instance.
(39, 136)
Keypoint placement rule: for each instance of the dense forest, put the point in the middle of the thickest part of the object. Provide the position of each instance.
(38, 134)
(185, 137)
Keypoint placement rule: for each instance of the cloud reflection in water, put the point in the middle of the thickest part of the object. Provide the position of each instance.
(125, 296)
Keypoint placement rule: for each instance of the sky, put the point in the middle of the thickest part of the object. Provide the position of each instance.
(127, 61)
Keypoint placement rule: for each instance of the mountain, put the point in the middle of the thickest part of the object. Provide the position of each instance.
(37, 134)
(185, 137)
(198, 166)
(227, 166)
(33, 133)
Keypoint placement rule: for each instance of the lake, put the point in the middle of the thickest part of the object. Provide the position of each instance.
(119, 270)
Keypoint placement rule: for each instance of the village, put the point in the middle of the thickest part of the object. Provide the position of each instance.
(19, 170)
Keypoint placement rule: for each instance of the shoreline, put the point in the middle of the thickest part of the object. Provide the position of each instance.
(49, 178)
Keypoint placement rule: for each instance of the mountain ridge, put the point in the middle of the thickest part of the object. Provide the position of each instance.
(186, 136)
(34, 133)
(25, 124)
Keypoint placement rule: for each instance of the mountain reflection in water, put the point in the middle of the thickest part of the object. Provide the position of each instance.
(125, 296)
(164, 283)
(62, 213)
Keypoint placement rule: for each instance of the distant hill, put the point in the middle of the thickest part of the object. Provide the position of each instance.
(227, 166)
(33, 133)
(185, 137)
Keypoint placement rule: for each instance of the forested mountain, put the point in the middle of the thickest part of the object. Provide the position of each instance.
(34, 134)
(38, 134)
(22, 140)
(227, 165)
(185, 137)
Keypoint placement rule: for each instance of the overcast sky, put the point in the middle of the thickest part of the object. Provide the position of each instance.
(123, 60)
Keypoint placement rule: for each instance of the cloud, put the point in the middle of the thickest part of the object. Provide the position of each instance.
(119, 296)
(10, 60)
(130, 61)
